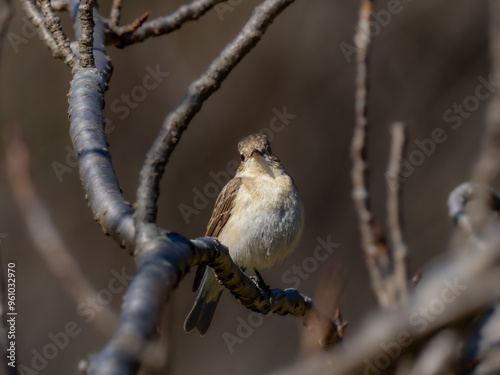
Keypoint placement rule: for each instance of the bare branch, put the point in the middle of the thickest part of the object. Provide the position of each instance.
(116, 13)
(86, 100)
(199, 91)
(122, 30)
(373, 239)
(38, 21)
(163, 25)
(162, 265)
(399, 248)
(44, 233)
(86, 41)
(53, 24)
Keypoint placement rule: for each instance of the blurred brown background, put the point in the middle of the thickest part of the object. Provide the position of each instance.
(427, 58)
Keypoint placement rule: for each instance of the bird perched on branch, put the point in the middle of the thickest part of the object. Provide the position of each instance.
(258, 216)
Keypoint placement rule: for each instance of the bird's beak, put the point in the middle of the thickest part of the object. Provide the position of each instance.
(255, 152)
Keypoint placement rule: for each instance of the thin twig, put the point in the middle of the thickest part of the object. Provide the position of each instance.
(86, 41)
(38, 21)
(373, 239)
(116, 13)
(199, 91)
(44, 233)
(162, 25)
(53, 24)
(399, 248)
(130, 28)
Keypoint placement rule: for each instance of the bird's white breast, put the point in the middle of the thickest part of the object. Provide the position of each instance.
(266, 221)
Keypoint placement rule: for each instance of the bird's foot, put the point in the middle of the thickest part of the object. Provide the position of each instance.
(261, 283)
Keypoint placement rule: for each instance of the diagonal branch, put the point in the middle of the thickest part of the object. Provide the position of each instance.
(161, 266)
(130, 28)
(36, 18)
(160, 26)
(199, 91)
(53, 24)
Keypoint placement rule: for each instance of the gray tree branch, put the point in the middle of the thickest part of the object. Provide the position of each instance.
(159, 26)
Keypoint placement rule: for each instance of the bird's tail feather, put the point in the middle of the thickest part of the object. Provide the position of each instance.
(202, 313)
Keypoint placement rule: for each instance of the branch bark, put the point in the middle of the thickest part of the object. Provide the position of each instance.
(162, 25)
(37, 19)
(53, 24)
(162, 264)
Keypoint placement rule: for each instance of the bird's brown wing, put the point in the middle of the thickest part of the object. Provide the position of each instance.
(220, 215)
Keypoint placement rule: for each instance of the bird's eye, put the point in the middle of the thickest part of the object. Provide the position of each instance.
(242, 157)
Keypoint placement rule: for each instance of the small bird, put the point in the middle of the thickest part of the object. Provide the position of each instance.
(258, 216)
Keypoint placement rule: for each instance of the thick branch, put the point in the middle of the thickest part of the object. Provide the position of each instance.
(199, 91)
(162, 264)
(89, 141)
(160, 26)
